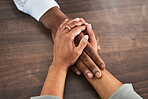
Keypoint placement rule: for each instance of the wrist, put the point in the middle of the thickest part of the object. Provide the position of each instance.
(53, 18)
(59, 67)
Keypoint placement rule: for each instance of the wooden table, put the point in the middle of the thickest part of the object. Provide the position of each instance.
(26, 47)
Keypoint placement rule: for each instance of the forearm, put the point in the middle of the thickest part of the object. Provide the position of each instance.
(106, 85)
(51, 20)
(55, 82)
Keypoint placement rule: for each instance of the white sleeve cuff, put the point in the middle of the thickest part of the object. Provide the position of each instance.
(35, 8)
(45, 97)
(126, 91)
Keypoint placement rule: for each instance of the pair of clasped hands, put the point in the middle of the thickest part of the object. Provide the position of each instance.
(80, 54)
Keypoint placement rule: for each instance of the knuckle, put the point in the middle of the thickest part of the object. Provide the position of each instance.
(73, 23)
(91, 51)
(84, 57)
(77, 53)
(85, 70)
(92, 68)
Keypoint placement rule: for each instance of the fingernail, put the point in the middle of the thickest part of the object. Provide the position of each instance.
(77, 19)
(102, 66)
(89, 75)
(66, 19)
(78, 73)
(99, 47)
(86, 23)
(97, 74)
(86, 36)
(90, 26)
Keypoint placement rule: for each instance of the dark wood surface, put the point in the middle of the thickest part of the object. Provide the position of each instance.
(26, 47)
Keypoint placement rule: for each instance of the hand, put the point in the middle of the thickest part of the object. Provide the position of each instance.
(66, 52)
(85, 63)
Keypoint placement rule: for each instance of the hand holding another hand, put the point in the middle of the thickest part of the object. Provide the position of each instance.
(66, 52)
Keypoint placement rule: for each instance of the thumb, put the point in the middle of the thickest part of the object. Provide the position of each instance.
(82, 44)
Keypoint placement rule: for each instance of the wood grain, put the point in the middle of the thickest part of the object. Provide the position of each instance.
(26, 47)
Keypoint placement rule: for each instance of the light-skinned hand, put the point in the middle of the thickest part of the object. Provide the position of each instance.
(66, 52)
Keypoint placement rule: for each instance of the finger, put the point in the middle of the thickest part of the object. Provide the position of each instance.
(76, 70)
(84, 69)
(94, 55)
(82, 44)
(92, 37)
(69, 22)
(77, 30)
(98, 43)
(82, 20)
(90, 64)
(62, 24)
(74, 24)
